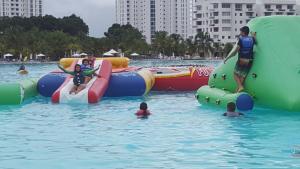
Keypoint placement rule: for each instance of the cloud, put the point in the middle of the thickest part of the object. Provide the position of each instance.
(98, 14)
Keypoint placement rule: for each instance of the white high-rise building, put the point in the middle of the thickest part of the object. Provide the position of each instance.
(222, 19)
(22, 8)
(149, 16)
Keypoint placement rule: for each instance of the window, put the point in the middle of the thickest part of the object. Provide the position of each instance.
(216, 29)
(225, 5)
(238, 7)
(226, 29)
(278, 6)
(268, 13)
(216, 13)
(216, 36)
(241, 14)
(199, 22)
(249, 6)
(268, 6)
(215, 5)
(199, 8)
(290, 7)
(216, 21)
(241, 22)
(199, 15)
(290, 13)
(250, 14)
(226, 14)
(226, 21)
(229, 37)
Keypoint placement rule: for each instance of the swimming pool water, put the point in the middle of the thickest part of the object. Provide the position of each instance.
(181, 134)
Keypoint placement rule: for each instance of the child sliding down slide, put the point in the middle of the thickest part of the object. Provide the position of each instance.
(79, 77)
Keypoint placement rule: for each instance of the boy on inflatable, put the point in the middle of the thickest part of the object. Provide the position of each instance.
(244, 48)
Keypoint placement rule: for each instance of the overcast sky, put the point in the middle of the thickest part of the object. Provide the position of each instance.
(98, 14)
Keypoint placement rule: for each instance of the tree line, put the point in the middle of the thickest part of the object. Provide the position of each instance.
(60, 37)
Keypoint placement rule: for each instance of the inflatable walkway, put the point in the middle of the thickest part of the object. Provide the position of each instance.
(94, 90)
(16, 93)
(274, 79)
(180, 78)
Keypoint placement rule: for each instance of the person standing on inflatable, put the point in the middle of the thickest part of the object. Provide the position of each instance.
(244, 48)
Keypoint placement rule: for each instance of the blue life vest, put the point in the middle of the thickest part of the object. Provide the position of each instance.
(78, 79)
(246, 50)
(84, 67)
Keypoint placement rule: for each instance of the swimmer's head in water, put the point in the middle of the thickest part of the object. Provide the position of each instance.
(77, 68)
(143, 106)
(231, 107)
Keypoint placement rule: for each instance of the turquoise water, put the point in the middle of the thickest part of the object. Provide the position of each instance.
(181, 134)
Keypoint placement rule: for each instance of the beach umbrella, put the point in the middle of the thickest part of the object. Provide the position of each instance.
(135, 54)
(113, 51)
(76, 55)
(40, 55)
(83, 54)
(108, 54)
(8, 55)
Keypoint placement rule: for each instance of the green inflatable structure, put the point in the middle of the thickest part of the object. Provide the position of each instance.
(16, 93)
(274, 79)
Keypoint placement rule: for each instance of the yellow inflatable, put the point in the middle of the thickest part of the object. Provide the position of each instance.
(23, 72)
(117, 62)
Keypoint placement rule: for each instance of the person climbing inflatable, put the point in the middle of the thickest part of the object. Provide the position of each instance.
(79, 77)
(244, 48)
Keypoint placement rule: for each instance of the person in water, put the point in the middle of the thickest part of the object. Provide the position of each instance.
(79, 77)
(231, 111)
(22, 67)
(143, 112)
(245, 56)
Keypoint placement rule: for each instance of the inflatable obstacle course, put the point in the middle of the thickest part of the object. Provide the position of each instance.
(274, 78)
(49, 83)
(94, 89)
(220, 98)
(180, 78)
(133, 83)
(116, 62)
(16, 93)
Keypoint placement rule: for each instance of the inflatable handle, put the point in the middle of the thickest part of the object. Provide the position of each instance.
(215, 76)
(224, 77)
